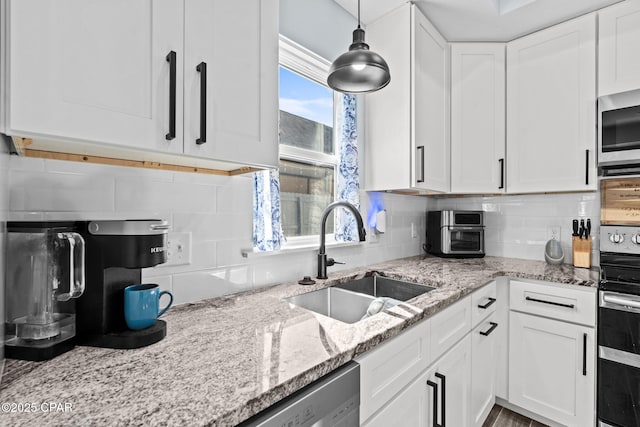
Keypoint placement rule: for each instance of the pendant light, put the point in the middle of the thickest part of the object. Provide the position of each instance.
(359, 70)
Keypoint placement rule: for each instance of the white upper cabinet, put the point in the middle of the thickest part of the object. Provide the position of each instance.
(238, 44)
(551, 109)
(94, 70)
(122, 74)
(478, 118)
(407, 123)
(619, 42)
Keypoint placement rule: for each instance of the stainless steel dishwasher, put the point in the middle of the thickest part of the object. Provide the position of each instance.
(331, 401)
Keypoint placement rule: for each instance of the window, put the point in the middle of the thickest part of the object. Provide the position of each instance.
(318, 157)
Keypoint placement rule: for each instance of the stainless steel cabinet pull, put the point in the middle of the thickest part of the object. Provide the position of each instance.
(487, 305)
(443, 408)
(421, 148)
(550, 302)
(171, 59)
(435, 402)
(491, 329)
(202, 69)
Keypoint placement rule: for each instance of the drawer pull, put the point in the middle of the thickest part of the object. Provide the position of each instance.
(444, 394)
(435, 402)
(491, 329)
(550, 302)
(487, 305)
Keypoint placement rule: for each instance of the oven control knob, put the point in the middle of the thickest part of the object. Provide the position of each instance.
(636, 238)
(616, 238)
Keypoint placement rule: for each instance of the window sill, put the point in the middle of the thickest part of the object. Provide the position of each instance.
(294, 248)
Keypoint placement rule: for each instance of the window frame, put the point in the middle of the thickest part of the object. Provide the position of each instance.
(302, 61)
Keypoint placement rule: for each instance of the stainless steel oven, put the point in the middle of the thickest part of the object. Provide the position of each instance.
(619, 132)
(619, 327)
(452, 233)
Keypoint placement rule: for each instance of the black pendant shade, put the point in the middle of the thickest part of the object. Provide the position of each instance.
(359, 70)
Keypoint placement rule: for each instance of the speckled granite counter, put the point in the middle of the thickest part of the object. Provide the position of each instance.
(227, 358)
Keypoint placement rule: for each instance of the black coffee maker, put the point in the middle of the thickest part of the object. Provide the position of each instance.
(116, 251)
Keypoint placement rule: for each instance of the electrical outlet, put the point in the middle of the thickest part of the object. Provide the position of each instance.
(178, 249)
(553, 233)
(414, 231)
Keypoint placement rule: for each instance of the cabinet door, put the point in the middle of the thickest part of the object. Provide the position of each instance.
(551, 369)
(230, 80)
(483, 370)
(408, 409)
(93, 70)
(453, 375)
(619, 38)
(430, 106)
(477, 117)
(551, 101)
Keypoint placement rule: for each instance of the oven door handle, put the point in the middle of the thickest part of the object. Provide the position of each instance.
(621, 301)
(466, 228)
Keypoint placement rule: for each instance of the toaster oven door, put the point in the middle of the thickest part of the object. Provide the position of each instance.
(463, 240)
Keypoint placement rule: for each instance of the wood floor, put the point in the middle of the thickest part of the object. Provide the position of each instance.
(502, 417)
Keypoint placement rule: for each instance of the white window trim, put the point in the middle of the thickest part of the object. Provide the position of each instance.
(310, 65)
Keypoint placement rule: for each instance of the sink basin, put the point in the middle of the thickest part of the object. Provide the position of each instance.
(349, 301)
(379, 286)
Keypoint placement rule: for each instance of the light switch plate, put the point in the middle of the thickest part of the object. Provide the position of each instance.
(178, 249)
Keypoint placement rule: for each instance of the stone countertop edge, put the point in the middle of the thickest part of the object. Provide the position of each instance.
(452, 278)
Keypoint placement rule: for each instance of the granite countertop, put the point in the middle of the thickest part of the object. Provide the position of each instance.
(227, 358)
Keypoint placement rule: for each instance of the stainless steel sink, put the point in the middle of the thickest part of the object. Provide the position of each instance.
(348, 302)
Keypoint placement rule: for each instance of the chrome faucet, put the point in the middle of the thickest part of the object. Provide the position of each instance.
(323, 262)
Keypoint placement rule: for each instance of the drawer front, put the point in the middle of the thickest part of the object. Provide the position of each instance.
(449, 326)
(576, 304)
(483, 303)
(389, 367)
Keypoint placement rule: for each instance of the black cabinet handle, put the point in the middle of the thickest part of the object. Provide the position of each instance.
(584, 355)
(421, 148)
(202, 69)
(171, 59)
(435, 402)
(501, 174)
(550, 302)
(491, 329)
(586, 168)
(487, 305)
(443, 409)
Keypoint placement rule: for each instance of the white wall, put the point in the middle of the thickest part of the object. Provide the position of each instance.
(518, 226)
(216, 210)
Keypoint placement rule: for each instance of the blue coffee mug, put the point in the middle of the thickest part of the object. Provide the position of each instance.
(142, 305)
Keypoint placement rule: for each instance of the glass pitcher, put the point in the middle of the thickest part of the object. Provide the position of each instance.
(45, 271)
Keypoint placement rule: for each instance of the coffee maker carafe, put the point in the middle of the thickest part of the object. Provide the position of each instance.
(44, 276)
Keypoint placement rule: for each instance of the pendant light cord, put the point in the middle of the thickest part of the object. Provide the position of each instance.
(358, 13)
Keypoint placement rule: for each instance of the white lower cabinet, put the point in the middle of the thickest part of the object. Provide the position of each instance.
(483, 370)
(551, 369)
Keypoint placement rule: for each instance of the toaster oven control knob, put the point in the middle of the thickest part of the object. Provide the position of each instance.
(636, 238)
(616, 238)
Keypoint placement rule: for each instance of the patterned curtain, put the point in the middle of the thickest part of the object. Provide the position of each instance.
(267, 228)
(348, 177)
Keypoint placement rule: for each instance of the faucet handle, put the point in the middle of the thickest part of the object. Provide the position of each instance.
(332, 261)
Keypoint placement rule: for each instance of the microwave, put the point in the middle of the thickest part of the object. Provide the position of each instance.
(455, 234)
(619, 129)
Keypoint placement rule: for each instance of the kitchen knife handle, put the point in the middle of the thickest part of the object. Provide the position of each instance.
(586, 168)
(421, 148)
(575, 227)
(202, 69)
(172, 59)
(501, 161)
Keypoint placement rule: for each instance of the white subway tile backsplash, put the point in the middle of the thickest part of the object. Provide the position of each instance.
(198, 285)
(134, 193)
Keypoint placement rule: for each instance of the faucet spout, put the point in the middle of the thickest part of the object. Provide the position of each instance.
(322, 256)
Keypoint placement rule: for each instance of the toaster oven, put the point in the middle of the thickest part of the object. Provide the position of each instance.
(456, 234)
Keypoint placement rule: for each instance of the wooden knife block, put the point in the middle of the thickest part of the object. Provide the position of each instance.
(582, 252)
